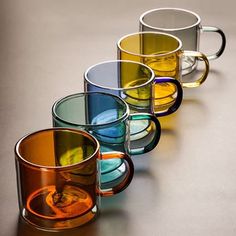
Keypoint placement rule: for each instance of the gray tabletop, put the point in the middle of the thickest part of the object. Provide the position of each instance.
(185, 186)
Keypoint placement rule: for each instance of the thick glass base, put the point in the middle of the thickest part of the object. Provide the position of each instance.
(58, 225)
(51, 210)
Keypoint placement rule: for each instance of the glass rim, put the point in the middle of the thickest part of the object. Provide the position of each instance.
(104, 125)
(149, 55)
(141, 19)
(152, 77)
(21, 159)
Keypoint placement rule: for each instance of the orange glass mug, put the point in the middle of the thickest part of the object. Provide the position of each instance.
(58, 178)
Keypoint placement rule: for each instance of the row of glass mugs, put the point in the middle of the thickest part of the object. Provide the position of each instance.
(61, 171)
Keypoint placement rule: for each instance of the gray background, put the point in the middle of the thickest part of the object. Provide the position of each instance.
(186, 186)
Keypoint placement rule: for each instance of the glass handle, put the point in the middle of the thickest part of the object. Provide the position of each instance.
(128, 178)
(157, 134)
(201, 57)
(179, 98)
(223, 38)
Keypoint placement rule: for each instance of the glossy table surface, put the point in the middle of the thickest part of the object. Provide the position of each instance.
(185, 186)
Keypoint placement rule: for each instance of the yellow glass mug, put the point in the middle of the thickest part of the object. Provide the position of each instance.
(163, 53)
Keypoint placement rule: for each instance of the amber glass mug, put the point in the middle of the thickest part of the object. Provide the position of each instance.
(58, 178)
(163, 54)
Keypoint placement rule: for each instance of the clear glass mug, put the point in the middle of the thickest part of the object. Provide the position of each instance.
(184, 24)
(163, 53)
(107, 117)
(58, 178)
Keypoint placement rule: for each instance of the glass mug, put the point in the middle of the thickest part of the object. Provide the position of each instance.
(135, 83)
(184, 24)
(163, 54)
(58, 179)
(108, 119)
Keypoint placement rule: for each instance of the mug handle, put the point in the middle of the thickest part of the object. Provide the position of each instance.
(157, 134)
(201, 57)
(221, 33)
(128, 178)
(179, 98)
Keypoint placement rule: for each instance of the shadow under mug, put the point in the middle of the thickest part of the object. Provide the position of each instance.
(58, 179)
(184, 24)
(135, 83)
(108, 119)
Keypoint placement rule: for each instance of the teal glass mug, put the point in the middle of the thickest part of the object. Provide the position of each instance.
(108, 119)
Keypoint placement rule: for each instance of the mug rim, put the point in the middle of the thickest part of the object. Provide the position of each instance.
(152, 77)
(104, 125)
(149, 55)
(141, 19)
(21, 159)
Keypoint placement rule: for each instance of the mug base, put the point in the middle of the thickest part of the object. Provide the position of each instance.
(58, 225)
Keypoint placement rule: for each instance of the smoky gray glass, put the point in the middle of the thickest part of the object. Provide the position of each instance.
(184, 24)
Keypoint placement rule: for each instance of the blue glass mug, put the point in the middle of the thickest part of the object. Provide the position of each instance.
(135, 83)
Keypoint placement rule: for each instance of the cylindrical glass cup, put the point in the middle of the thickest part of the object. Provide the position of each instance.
(108, 119)
(135, 83)
(58, 179)
(184, 24)
(163, 53)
